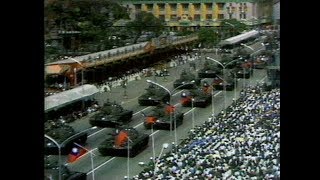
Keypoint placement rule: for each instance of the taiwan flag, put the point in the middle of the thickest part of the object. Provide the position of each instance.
(75, 153)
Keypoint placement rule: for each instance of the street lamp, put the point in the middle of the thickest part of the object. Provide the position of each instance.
(59, 149)
(224, 84)
(60, 145)
(164, 146)
(233, 31)
(75, 72)
(128, 158)
(91, 157)
(192, 100)
(75, 69)
(242, 44)
(170, 93)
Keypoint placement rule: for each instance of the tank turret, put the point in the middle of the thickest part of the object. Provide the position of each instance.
(154, 96)
(64, 135)
(111, 115)
(185, 78)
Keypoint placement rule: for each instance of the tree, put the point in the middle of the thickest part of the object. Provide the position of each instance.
(208, 36)
(145, 22)
(233, 27)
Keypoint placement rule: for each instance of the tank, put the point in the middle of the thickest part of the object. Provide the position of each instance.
(201, 96)
(186, 77)
(160, 118)
(111, 115)
(116, 143)
(51, 171)
(64, 135)
(209, 70)
(241, 73)
(218, 83)
(154, 96)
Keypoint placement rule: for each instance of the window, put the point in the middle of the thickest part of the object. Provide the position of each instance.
(197, 17)
(161, 17)
(149, 7)
(173, 7)
(208, 6)
(220, 16)
(209, 17)
(185, 7)
(137, 7)
(161, 7)
(196, 7)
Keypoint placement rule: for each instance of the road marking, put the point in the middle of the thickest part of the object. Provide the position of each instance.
(96, 132)
(154, 132)
(189, 111)
(262, 79)
(142, 110)
(217, 93)
(101, 165)
(177, 93)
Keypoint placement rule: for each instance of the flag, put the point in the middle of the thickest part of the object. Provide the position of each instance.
(75, 153)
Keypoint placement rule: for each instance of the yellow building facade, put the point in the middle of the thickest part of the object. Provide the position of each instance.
(191, 14)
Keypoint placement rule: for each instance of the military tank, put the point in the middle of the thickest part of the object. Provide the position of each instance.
(209, 70)
(201, 96)
(154, 96)
(122, 141)
(185, 78)
(218, 83)
(51, 171)
(111, 115)
(64, 135)
(160, 118)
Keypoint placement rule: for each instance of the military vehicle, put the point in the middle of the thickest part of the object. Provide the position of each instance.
(241, 73)
(52, 171)
(209, 70)
(111, 115)
(161, 116)
(154, 96)
(218, 83)
(122, 141)
(186, 78)
(64, 135)
(201, 96)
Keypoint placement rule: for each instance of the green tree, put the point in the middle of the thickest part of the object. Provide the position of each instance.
(145, 22)
(233, 27)
(208, 36)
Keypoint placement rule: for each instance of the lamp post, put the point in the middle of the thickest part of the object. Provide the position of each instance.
(170, 93)
(91, 157)
(128, 158)
(192, 100)
(60, 145)
(75, 69)
(59, 149)
(75, 72)
(224, 84)
(164, 146)
(152, 138)
(242, 44)
(233, 32)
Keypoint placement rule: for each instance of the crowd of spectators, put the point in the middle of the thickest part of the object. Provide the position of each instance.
(243, 143)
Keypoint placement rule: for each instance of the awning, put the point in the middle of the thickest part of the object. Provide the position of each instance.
(56, 69)
(67, 97)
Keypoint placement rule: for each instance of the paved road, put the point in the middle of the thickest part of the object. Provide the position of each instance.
(116, 167)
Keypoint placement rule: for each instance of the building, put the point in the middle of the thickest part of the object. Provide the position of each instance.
(197, 13)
